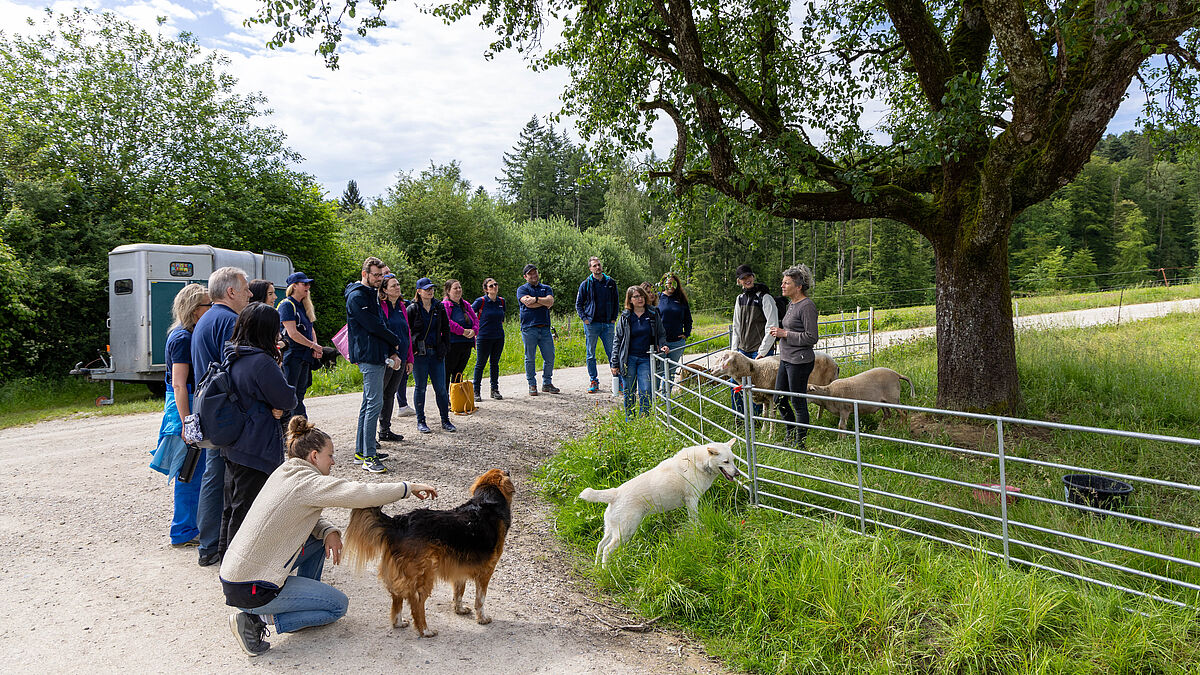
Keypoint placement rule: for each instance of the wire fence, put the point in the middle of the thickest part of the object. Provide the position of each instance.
(990, 484)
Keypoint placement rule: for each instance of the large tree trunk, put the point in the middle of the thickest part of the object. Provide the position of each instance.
(977, 366)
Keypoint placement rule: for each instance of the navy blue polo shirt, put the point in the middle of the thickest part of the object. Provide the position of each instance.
(538, 316)
(491, 317)
(459, 316)
(179, 350)
(676, 318)
(293, 310)
(641, 330)
(209, 336)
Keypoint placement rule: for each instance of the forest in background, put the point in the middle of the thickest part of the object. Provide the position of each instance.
(109, 135)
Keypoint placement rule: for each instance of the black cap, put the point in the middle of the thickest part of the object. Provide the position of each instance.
(528, 267)
(742, 270)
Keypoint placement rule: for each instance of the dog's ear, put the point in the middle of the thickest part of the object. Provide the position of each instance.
(713, 451)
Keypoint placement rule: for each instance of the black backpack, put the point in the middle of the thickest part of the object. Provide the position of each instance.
(217, 407)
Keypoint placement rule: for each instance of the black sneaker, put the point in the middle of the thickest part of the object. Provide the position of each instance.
(373, 465)
(533, 390)
(496, 395)
(358, 458)
(207, 559)
(422, 427)
(194, 541)
(551, 389)
(250, 629)
(390, 436)
(478, 396)
(448, 426)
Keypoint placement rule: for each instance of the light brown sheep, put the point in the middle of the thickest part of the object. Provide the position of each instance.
(876, 385)
(705, 364)
(762, 372)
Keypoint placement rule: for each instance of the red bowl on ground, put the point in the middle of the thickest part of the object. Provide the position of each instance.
(989, 498)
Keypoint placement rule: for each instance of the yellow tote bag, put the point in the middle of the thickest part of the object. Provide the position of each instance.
(462, 396)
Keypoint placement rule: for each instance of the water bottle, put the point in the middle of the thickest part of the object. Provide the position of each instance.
(616, 385)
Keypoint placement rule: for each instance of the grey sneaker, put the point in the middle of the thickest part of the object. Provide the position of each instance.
(250, 629)
(373, 465)
(405, 411)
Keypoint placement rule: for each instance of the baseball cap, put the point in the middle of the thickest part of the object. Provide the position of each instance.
(298, 278)
(527, 269)
(742, 270)
(424, 284)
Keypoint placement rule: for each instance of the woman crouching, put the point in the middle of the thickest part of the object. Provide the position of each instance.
(284, 531)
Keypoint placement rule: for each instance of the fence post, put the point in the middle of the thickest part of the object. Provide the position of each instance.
(653, 379)
(1003, 489)
(666, 385)
(862, 514)
(751, 453)
(871, 335)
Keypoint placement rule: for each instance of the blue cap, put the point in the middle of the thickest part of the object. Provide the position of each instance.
(424, 284)
(298, 278)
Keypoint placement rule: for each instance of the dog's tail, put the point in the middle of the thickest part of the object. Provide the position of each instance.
(365, 540)
(606, 496)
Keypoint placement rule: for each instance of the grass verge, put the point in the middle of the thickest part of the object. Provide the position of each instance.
(29, 400)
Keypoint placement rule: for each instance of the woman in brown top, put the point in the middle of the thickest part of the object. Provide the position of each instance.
(797, 333)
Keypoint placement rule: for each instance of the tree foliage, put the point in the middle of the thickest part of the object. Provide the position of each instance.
(110, 135)
(351, 199)
(546, 175)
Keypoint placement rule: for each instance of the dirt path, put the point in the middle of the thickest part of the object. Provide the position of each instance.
(92, 584)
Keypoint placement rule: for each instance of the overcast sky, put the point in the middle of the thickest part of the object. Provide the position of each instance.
(415, 92)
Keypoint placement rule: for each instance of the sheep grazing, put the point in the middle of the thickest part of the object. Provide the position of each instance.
(761, 372)
(876, 385)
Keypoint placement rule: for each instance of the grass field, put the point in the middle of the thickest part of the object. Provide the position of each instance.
(34, 399)
(771, 593)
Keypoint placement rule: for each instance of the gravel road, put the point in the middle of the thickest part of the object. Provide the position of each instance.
(94, 585)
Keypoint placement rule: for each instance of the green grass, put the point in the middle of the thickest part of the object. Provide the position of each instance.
(29, 400)
(771, 593)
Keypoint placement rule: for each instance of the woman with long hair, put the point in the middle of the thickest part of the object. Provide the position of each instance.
(263, 394)
(431, 342)
(301, 350)
(677, 320)
(797, 334)
(262, 290)
(489, 307)
(395, 317)
(284, 531)
(191, 302)
(639, 331)
(464, 326)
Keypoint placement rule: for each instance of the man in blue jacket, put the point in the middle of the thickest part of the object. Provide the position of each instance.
(371, 345)
(597, 305)
(230, 294)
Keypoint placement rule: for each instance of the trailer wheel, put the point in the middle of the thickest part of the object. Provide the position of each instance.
(157, 389)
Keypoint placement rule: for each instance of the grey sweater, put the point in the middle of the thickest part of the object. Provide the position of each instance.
(800, 322)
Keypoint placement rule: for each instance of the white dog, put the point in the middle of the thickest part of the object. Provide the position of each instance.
(679, 480)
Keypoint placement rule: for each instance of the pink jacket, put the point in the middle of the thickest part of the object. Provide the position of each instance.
(468, 310)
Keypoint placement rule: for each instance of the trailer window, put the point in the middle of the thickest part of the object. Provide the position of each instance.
(123, 286)
(181, 269)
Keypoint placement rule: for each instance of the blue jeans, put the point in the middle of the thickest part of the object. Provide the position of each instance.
(637, 376)
(304, 601)
(535, 338)
(365, 442)
(593, 332)
(187, 502)
(676, 354)
(432, 368)
(212, 502)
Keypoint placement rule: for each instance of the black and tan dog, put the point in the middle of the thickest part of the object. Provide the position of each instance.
(419, 547)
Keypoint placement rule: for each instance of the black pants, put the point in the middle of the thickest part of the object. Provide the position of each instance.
(242, 485)
(793, 377)
(395, 390)
(456, 359)
(489, 350)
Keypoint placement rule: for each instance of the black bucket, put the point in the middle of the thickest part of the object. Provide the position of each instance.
(1096, 491)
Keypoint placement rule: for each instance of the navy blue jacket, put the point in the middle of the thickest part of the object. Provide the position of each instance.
(369, 339)
(260, 385)
(439, 331)
(586, 300)
(676, 316)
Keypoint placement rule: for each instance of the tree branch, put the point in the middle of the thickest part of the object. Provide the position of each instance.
(1021, 53)
(676, 172)
(925, 47)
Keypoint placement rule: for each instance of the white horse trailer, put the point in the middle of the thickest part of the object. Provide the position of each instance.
(143, 280)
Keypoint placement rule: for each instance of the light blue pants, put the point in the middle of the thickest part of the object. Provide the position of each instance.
(592, 333)
(304, 601)
(534, 339)
(365, 442)
(637, 379)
